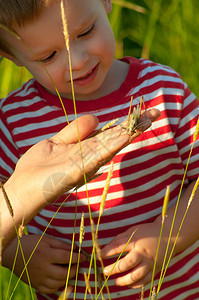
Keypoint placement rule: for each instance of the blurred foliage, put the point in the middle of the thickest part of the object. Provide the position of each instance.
(165, 31)
(11, 77)
(22, 291)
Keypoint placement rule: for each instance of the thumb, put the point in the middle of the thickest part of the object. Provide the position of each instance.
(79, 128)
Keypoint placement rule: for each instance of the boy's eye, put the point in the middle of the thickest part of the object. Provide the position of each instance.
(48, 58)
(87, 32)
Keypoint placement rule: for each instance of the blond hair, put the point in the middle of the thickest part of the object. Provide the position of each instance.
(20, 13)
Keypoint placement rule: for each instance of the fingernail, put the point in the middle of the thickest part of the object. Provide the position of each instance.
(144, 125)
(106, 271)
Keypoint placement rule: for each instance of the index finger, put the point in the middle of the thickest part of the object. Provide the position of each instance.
(118, 245)
(60, 256)
(129, 261)
(152, 114)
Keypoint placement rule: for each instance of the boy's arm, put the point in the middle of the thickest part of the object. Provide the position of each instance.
(190, 229)
(142, 248)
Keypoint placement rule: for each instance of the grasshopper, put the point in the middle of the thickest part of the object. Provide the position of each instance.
(134, 117)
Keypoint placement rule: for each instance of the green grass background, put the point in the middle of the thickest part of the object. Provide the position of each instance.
(165, 31)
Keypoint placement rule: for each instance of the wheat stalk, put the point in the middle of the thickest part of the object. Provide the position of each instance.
(81, 236)
(11, 211)
(88, 284)
(142, 293)
(105, 191)
(63, 295)
(123, 250)
(163, 272)
(164, 210)
(96, 246)
(180, 227)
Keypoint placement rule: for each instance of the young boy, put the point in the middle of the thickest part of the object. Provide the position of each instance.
(142, 171)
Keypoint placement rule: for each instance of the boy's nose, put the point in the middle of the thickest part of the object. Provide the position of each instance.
(79, 58)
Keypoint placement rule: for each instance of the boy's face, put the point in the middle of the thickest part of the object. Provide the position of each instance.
(92, 48)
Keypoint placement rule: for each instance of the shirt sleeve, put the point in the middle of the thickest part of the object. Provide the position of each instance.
(186, 133)
(9, 154)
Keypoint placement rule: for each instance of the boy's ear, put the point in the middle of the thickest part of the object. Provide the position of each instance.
(10, 57)
(108, 6)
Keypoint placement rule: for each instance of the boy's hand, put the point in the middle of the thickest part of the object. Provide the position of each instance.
(48, 266)
(139, 261)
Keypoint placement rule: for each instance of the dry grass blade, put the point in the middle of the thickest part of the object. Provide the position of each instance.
(12, 32)
(142, 293)
(65, 27)
(163, 271)
(129, 113)
(115, 264)
(164, 210)
(90, 259)
(87, 284)
(82, 232)
(105, 191)
(81, 236)
(153, 296)
(7, 200)
(97, 246)
(21, 229)
(18, 237)
(164, 268)
(109, 124)
(64, 296)
(165, 204)
(196, 131)
(193, 192)
(98, 251)
(130, 5)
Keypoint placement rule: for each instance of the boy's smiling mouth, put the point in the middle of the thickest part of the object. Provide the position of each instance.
(87, 78)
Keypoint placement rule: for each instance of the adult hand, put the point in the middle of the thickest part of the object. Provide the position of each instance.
(53, 166)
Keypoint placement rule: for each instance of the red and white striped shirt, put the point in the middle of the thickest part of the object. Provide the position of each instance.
(142, 170)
